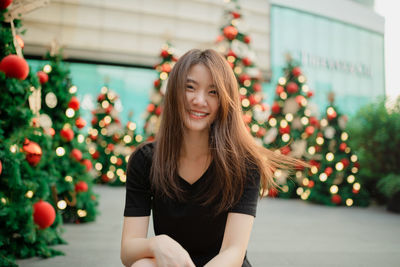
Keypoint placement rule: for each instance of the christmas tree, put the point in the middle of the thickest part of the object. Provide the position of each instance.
(154, 108)
(61, 118)
(290, 124)
(105, 140)
(235, 46)
(29, 222)
(333, 177)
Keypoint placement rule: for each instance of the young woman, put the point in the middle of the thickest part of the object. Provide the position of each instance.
(201, 177)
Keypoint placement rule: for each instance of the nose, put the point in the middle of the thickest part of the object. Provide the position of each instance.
(199, 98)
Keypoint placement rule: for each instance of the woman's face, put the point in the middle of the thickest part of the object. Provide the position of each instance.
(202, 99)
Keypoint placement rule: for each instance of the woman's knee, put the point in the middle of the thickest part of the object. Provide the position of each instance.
(146, 262)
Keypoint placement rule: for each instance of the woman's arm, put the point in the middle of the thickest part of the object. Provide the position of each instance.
(136, 246)
(236, 238)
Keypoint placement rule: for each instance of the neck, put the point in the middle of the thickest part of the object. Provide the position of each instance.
(194, 145)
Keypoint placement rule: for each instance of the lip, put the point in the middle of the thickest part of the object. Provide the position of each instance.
(197, 117)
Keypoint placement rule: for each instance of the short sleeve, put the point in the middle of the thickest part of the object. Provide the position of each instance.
(138, 189)
(247, 203)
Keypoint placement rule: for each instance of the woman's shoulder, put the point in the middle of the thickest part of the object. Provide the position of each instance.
(143, 153)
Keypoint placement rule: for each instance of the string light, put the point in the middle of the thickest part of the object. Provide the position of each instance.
(272, 122)
(329, 156)
(305, 88)
(245, 102)
(238, 70)
(29, 194)
(102, 124)
(98, 166)
(62, 204)
(247, 83)
(302, 79)
(47, 68)
(139, 138)
(283, 123)
(334, 189)
(68, 179)
(306, 181)
(305, 195)
(314, 169)
(339, 166)
(127, 159)
(299, 191)
(127, 138)
(132, 126)
(289, 117)
(120, 172)
(344, 136)
(282, 81)
(163, 76)
(103, 131)
(351, 179)
(81, 138)
(72, 89)
(105, 104)
(285, 137)
(283, 95)
(70, 112)
(110, 174)
(353, 158)
(60, 151)
(81, 213)
(3, 200)
(113, 159)
(324, 123)
(13, 148)
(122, 178)
(323, 177)
(242, 91)
(103, 90)
(330, 111)
(354, 170)
(107, 119)
(356, 186)
(304, 120)
(349, 202)
(307, 112)
(320, 140)
(255, 128)
(347, 150)
(311, 150)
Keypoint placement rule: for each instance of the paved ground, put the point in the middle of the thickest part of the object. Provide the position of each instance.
(285, 233)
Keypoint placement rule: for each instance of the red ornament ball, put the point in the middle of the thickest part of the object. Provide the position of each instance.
(247, 39)
(166, 67)
(272, 192)
(246, 118)
(151, 107)
(101, 97)
(158, 110)
(94, 121)
(33, 152)
(67, 134)
(164, 53)
(328, 170)
(235, 15)
(14, 67)
(279, 89)
(257, 87)
(342, 146)
(310, 94)
(105, 178)
(81, 186)
(4, 4)
(76, 154)
(283, 130)
(74, 103)
(88, 164)
(230, 32)
(296, 71)
(157, 83)
(244, 77)
(285, 150)
(345, 162)
(299, 99)
(275, 108)
(110, 146)
(292, 87)
(246, 61)
(43, 214)
(253, 100)
(43, 77)
(261, 132)
(314, 121)
(336, 199)
(80, 123)
(231, 54)
(311, 184)
(96, 155)
(310, 130)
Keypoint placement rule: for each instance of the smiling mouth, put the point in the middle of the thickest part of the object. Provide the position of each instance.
(198, 115)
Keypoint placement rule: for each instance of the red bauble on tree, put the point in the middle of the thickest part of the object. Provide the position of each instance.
(296, 71)
(164, 53)
(67, 134)
(88, 164)
(81, 186)
(342, 146)
(292, 87)
(5, 3)
(157, 83)
(328, 170)
(33, 152)
(151, 107)
(166, 67)
(158, 111)
(230, 32)
(247, 39)
(246, 61)
(96, 155)
(80, 123)
(285, 150)
(244, 77)
(43, 77)
(279, 89)
(74, 103)
(76, 154)
(310, 130)
(43, 214)
(272, 192)
(14, 67)
(257, 87)
(275, 108)
(336, 199)
(235, 15)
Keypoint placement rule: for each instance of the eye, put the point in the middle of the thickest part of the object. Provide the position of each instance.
(214, 92)
(189, 87)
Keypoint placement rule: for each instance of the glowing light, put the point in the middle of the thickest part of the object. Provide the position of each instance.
(98, 166)
(305, 88)
(68, 179)
(107, 119)
(282, 81)
(285, 137)
(283, 123)
(305, 181)
(305, 195)
(285, 188)
(82, 213)
(243, 91)
(344, 136)
(110, 174)
(60, 151)
(29, 194)
(81, 138)
(347, 150)
(323, 176)
(283, 95)
(127, 139)
(47, 68)
(351, 179)
(102, 124)
(3, 200)
(13, 148)
(62, 204)
(353, 158)
(289, 117)
(247, 83)
(307, 112)
(122, 178)
(302, 79)
(73, 89)
(299, 191)
(238, 70)
(330, 111)
(245, 102)
(311, 150)
(339, 166)
(255, 128)
(103, 131)
(105, 104)
(231, 59)
(329, 156)
(334, 189)
(111, 95)
(120, 172)
(356, 186)
(139, 138)
(349, 202)
(299, 174)
(354, 170)
(314, 169)
(113, 159)
(132, 126)
(163, 75)
(304, 120)
(277, 173)
(104, 90)
(272, 122)
(127, 159)
(320, 140)
(324, 123)
(70, 112)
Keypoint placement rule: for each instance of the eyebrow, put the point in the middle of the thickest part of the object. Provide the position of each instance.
(189, 80)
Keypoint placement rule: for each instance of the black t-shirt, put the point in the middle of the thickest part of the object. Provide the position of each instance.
(196, 228)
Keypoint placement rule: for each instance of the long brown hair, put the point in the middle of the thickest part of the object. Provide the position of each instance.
(232, 147)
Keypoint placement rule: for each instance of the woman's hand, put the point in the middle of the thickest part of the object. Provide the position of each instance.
(168, 252)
